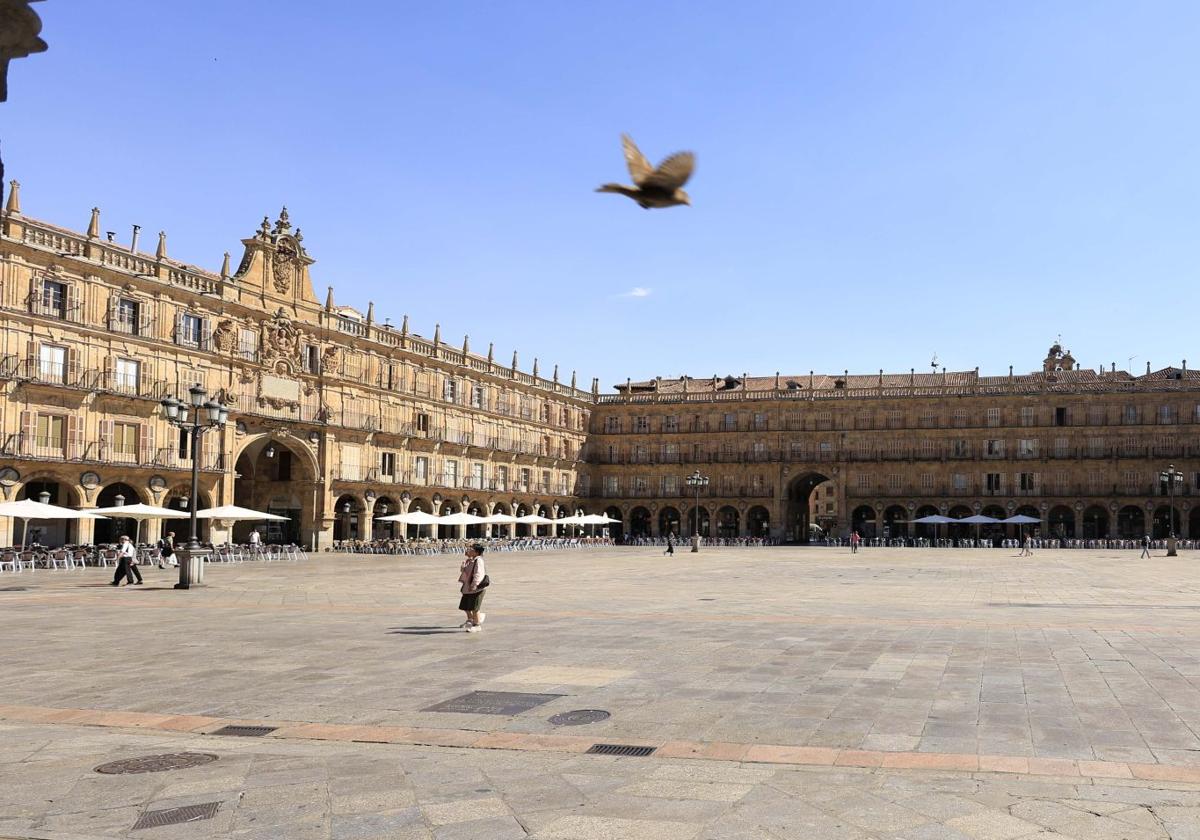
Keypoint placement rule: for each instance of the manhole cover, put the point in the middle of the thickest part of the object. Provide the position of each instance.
(493, 703)
(245, 731)
(177, 816)
(579, 717)
(155, 763)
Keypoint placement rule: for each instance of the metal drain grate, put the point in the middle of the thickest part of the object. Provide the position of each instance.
(155, 763)
(619, 749)
(245, 731)
(177, 816)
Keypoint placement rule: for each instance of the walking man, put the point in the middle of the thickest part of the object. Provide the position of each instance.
(854, 541)
(472, 574)
(126, 563)
(670, 543)
(1145, 546)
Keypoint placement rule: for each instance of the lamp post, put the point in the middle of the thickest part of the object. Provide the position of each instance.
(696, 481)
(1171, 477)
(197, 416)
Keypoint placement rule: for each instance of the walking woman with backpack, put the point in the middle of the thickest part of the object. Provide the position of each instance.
(472, 575)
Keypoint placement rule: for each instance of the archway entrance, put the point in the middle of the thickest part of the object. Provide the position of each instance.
(1062, 522)
(994, 531)
(639, 522)
(800, 519)
(178, 499)
(895, 522)
(697, 522)
(863, 521)
(727, 522)
(1163, 516)
(48, 532)
(1095, 523)
(276, 475)
(1131, 523)
(668, 522)
(109, 530)
(385, 506)
(924, 530)
(758, 521)
(616, 530)
(347, 523)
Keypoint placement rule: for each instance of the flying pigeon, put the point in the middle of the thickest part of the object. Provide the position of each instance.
(655, 187)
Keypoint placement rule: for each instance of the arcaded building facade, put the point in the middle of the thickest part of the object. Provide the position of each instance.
(1081, 450)
(336, 418)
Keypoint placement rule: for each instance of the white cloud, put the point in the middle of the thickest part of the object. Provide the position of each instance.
(637, 292)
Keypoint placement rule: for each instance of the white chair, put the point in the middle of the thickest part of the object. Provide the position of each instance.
(10, 559)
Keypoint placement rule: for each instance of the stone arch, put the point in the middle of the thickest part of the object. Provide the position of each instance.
(476, 508)
(348, 513)
(1095, 523)
(957, 530)
(108, 530)
(1164, 517)
(1131, 522)
(697, 521)
(1062, 522)
(49, 533)
(669, 521)
(797, 527)
(863, 521)
(758, 521)
(925, 531)
(1194, 523)
(385, 506)
(728, 522)
(277, 472)
(639, 522)
(543, 530)
(996, 530)
(616, 530)
(895, 522)
(178, 497)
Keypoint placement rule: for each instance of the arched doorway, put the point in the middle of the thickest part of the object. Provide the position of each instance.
(384, 506)
(1062, 522)
(994, 531)
(108, 530)
(956, 530)
(277, 474)
(1095, 523)
(1131, 523)
(413, 531)
(800, 515)
(1194, 524)
(727, 522)
(925, 531)
(616, 530)
(639, 522)
(50, 533)
(697, 522)
(1163, 516)
(668, 522)
(543, 530)
(178, 499)
(758, 521)
(522, 529)
(863, 521)
(347, 524)
(475, 532)
(895, 522)
(502, 531)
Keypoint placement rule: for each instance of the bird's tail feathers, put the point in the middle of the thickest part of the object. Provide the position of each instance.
(612, 188)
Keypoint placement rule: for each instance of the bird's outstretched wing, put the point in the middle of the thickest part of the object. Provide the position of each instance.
(639, 168)
(672, 173)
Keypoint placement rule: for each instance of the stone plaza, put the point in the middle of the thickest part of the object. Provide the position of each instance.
(786, 693)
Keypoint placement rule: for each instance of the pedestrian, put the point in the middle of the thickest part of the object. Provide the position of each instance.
(1145, 546)
(255, 539)
(854, 540)
(670, 544)
(166, 550)
(1027, 550)
(472, 574)
(126, 563)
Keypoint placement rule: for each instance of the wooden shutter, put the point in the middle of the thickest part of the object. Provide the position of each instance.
(178, 334)
(71, 302)
(74, 437)
(28, 430)
(208, 449)
(106, 438)
(146, 377)
(110, 379)
(205, 333)
(146, 450)
(111, 317)
(72, 372)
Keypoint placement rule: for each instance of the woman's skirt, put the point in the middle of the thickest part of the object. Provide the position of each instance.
(472, 602)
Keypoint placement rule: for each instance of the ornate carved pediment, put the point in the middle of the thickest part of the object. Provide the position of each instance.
(330, 359)
(283, 265)
(281, 339)
(225, 336)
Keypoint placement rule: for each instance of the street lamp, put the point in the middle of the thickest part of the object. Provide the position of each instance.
(197, 416)
(1171, 476)
(696, 481)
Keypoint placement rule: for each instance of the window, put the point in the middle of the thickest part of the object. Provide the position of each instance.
(191, 330)
(1026, 481)
(52, 363)
(729, 423)
(477, 397)
(928, 448)
(929, 419)
(421, 469)
(1096, 415)
(312, 359)
(864, 481)
(53, 299)
(127, 316)
(961, 449)
(477, 476)
(422, 422)
(1096, 448)
(960, 417)
(1166, 414)
(670, 453)
(893, 482)
(670, 485)
(450, 473)
(1027, 448)
(641, 486)
(993, 448)
(825, 420)
(796, 450)
(760, 421)
(1130, 414)
(450, 390)
(960, 481)
(564, 484)
(526, 479)
(993, 417)
(639, 454)
(1028, 415)
(545, 412)
(564, 417)
(612, 485)
(1062, 447)
(612, 424)
(51, 434)
(994, 482)
(825, 448)
(641, 424)
(127, 373)
(502, 478)
(1062, 416)
(248, 345)
(1131, 481)
(670, 423)
(926, 481)
(502, 403)
(758, 450)
(387, 464)
(125, 439)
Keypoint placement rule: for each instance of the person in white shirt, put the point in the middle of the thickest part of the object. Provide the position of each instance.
(127, 563)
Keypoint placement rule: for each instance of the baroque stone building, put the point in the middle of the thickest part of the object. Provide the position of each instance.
(335, 417)
(1081, 450)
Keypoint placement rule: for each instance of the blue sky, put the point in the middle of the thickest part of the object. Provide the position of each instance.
(876, 181)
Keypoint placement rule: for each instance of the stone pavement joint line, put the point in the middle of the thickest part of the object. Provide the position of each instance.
(518, 741)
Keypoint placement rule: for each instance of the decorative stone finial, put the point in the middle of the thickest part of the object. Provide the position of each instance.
(466, 344)
(556, 374)
(282, 224)
(535, 367)
(94, 225)
(264, 230)
(514, 364)
(572, 380)
(437, 334)
(491, 348)
(225, 266)
(160, 253)
(13, 207)
(1147, 367)
(404, 326)
(595, 385)
(329, 300)
(370, 312)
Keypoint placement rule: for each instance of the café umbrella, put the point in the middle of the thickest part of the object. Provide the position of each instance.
(413, 517)
(27, 509)
(934, 520)
(139, 513)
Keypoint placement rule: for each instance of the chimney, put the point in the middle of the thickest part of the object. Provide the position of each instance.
(404, 326)
(514, 362)
(93, 231)
(13, 207)
(437, 334)
(466, 344)
(491, 349)
(160, 253)
(133, 241)
(225, 267)
(535, 367)
(370, 312)
(329, 300)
